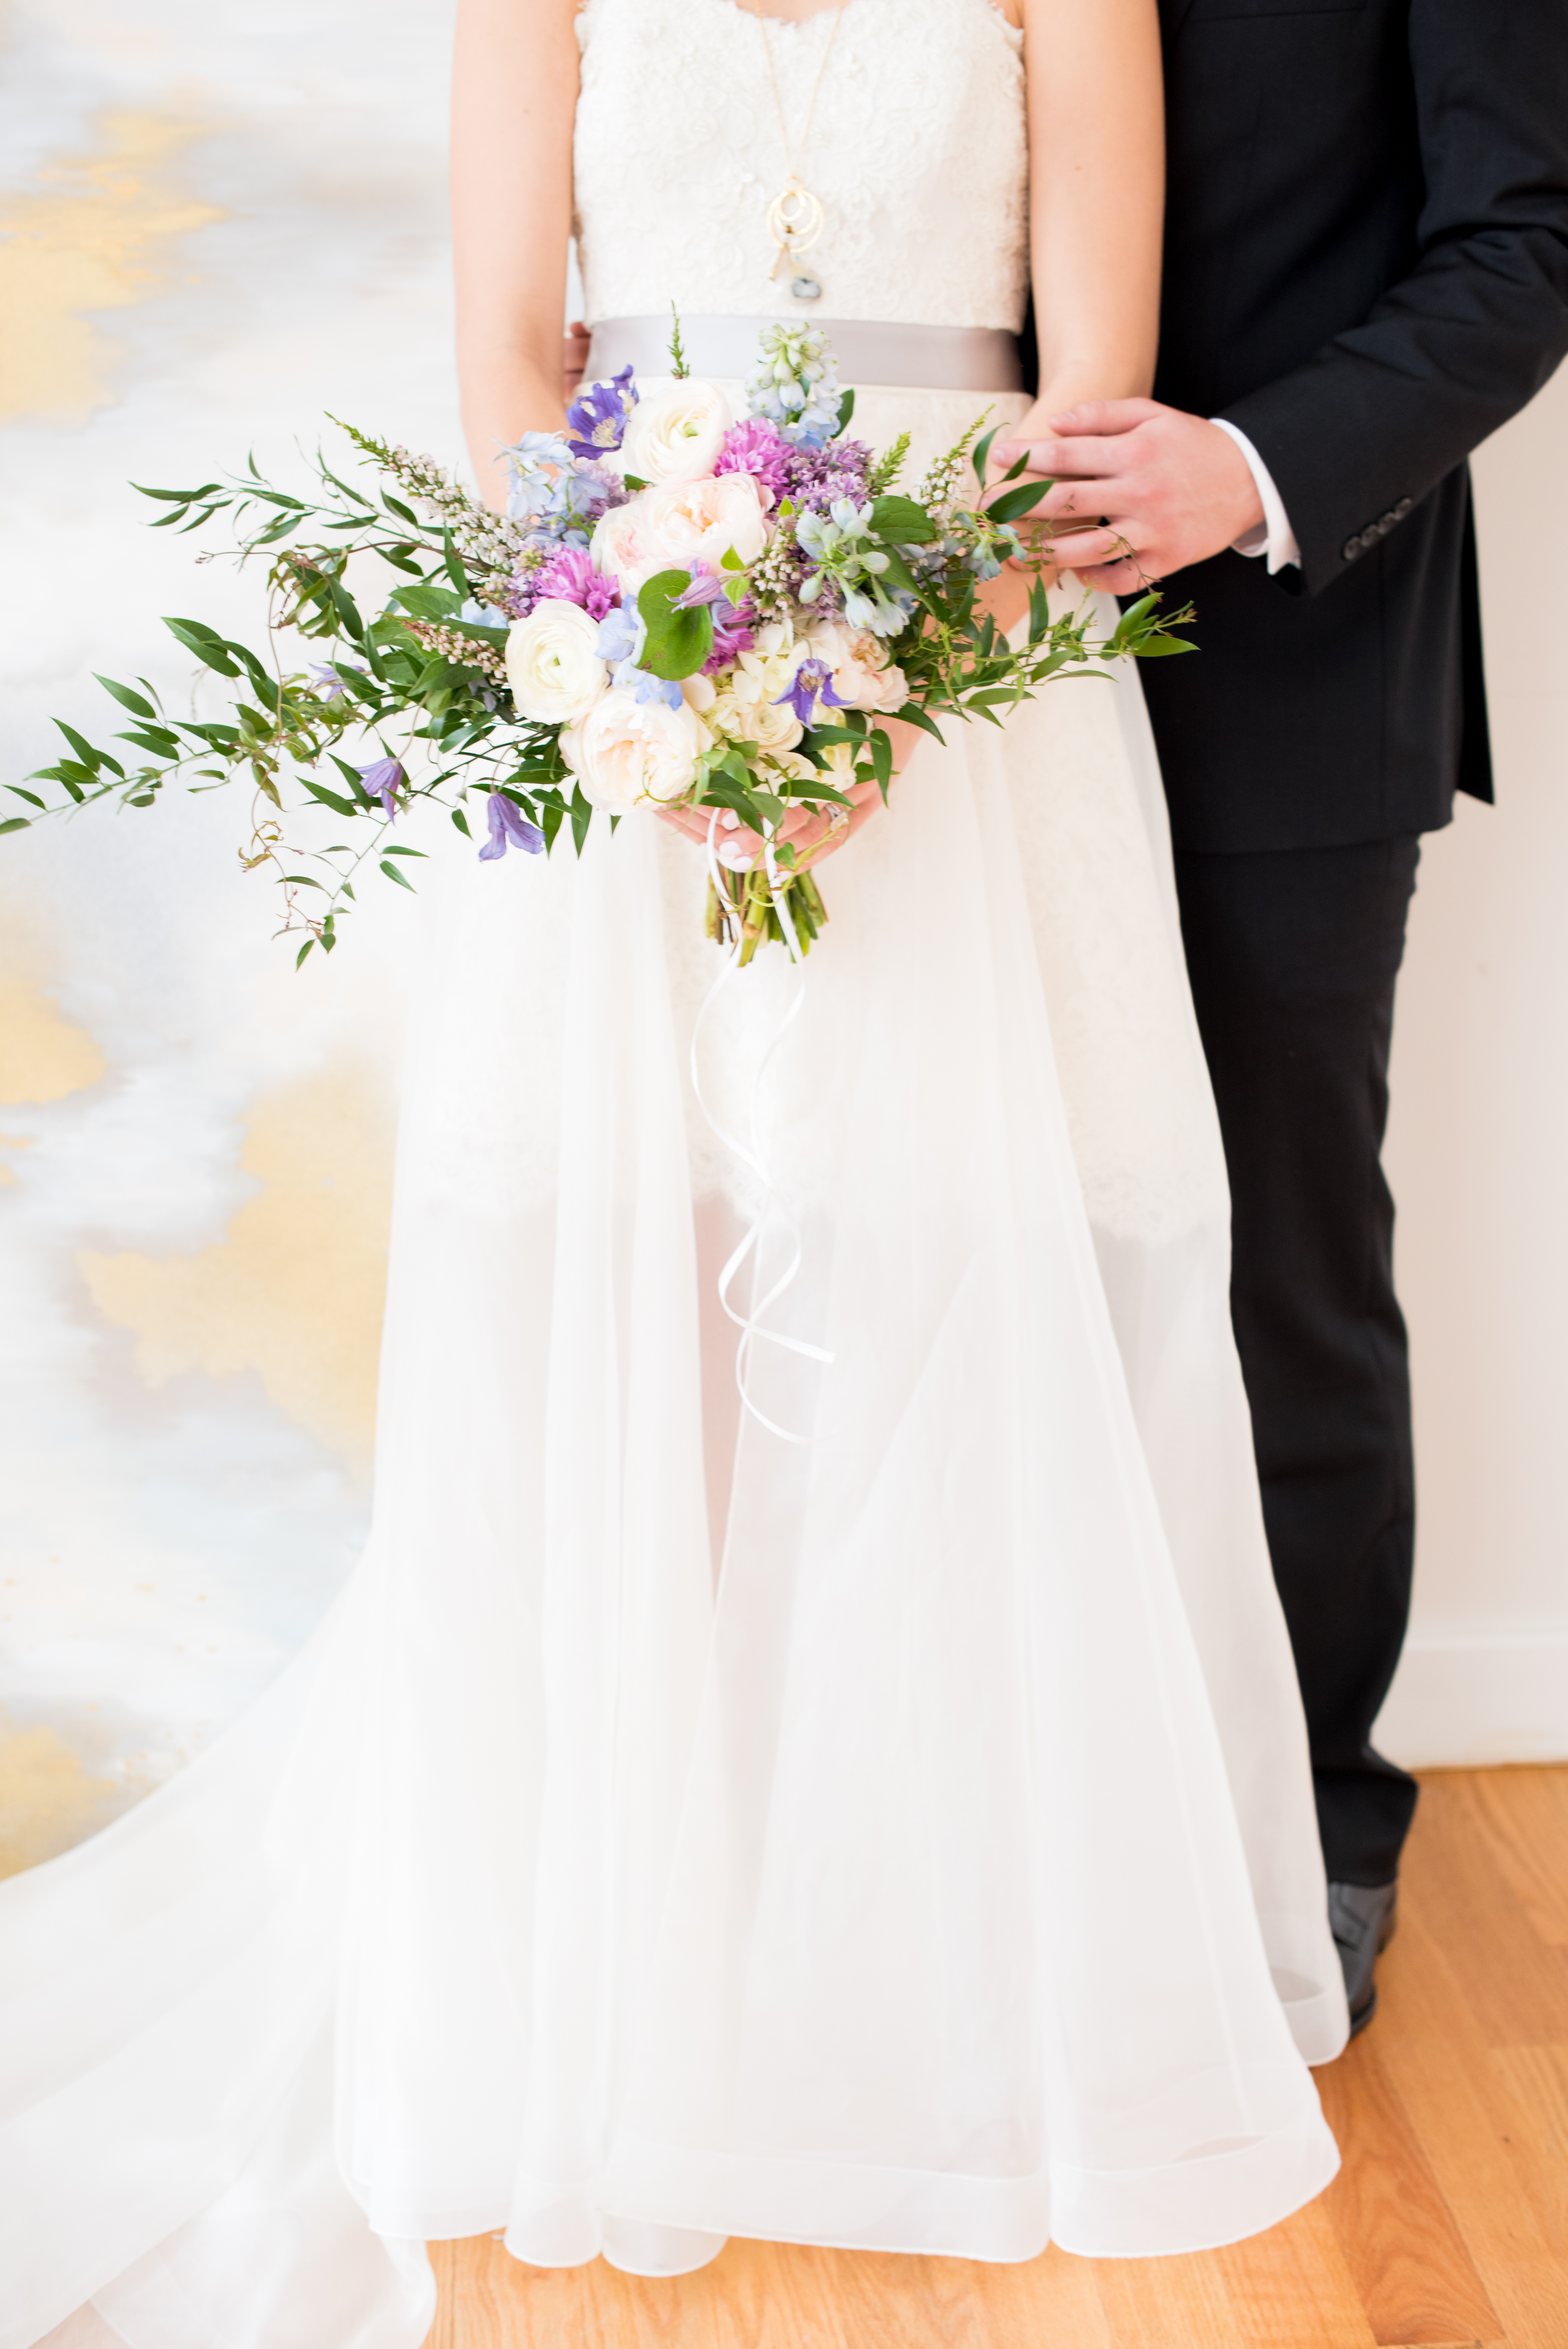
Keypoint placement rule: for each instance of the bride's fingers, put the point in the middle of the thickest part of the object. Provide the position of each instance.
(1086, 550)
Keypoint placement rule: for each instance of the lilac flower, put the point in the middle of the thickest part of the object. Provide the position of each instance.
(329, 685)
(817, 477)
(383, 781)
(811, 679)
(509, 828)
(756, 446)
(569, 576)
(597, 417)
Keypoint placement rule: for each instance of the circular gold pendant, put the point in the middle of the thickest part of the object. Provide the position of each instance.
(796, 219)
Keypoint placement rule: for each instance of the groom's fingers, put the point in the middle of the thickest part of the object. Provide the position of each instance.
(1104, 416)
(1093, 420)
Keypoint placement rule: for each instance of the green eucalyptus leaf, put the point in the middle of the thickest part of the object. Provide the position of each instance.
(1013, 504)
(428, 602)
(900, 522)
(678, 642)
(203, 644)
(136, 703)
(981, 449)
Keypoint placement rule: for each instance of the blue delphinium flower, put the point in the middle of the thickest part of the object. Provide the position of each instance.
(383, 780)
(596, 419)
(484, 616)
(845, 564)
(796, 387)
(555, 497)
(812, 682)
(621, 636)
(509, 828)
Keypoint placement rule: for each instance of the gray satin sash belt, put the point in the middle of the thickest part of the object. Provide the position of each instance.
(913, 359)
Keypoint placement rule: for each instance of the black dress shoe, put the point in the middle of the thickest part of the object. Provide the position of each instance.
(1362, 1918)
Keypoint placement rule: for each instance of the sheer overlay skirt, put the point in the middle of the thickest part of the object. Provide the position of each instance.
(900, 1838)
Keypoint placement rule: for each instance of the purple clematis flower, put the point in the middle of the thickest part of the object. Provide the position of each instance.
(328, 681)
(706, 587)
(812, 680)
(596, 419)
(509, 828)
(383, 781)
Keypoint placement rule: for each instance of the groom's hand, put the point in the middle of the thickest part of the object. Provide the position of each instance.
(1157, 488)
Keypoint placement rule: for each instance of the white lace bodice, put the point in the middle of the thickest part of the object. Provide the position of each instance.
(917, 149)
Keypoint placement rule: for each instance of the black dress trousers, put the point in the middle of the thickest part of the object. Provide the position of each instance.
(1293, 955)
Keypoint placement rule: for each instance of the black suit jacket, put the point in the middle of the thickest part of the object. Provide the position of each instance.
(1367, 271)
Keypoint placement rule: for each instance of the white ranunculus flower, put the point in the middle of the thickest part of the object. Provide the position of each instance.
(741, 713)
(622, 545)
(556, 674)
(625, 750)
(670, 528)
(864, 678)
(675, 435)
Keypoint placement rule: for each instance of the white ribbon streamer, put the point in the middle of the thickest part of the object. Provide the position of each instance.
(752, 1155)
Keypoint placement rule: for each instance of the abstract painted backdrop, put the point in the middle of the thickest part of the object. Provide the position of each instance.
(215, 224)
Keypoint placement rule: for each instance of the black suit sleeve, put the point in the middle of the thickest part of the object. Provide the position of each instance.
(1361, 433)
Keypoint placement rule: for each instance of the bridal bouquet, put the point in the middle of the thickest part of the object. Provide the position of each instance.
(680, 607)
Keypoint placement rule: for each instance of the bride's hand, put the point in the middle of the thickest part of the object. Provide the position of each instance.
(813, 832)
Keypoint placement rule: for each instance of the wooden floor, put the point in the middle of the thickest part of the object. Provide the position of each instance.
(1448, 2224)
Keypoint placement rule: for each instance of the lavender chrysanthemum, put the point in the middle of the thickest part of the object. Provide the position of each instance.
(756, 446)
(569, 577)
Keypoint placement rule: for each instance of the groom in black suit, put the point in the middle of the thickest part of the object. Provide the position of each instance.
(1366, 274)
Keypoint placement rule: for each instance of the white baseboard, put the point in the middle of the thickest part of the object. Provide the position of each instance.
(1465, 1697)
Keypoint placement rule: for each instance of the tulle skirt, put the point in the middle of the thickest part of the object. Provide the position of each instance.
(893, 1832)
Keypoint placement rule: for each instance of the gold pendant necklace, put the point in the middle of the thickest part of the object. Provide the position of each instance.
(795, 217)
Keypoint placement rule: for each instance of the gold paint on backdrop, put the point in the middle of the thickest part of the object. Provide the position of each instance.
(92, 241)
(42, 1057)
(13, 1142)
(48, 1802)
(295, 1290)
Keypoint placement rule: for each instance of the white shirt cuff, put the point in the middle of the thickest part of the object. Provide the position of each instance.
(1273, 535)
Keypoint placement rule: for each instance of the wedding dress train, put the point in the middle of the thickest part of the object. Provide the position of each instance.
(943, 1876)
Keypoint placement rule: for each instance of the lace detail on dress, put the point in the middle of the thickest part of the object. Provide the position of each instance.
(918, 150)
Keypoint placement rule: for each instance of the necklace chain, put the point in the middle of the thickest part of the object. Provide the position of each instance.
(796, 217)
(792, 156)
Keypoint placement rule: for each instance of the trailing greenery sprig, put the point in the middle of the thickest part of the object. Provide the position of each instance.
(423, 683)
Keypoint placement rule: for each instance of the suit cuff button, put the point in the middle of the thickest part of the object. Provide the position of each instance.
(1353, 547)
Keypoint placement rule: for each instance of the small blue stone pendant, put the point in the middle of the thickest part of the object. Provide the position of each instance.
(805, 289)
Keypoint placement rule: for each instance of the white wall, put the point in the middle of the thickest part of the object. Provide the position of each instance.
(1478, 1155)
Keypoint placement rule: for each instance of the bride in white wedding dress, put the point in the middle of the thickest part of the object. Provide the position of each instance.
(941, 1875)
